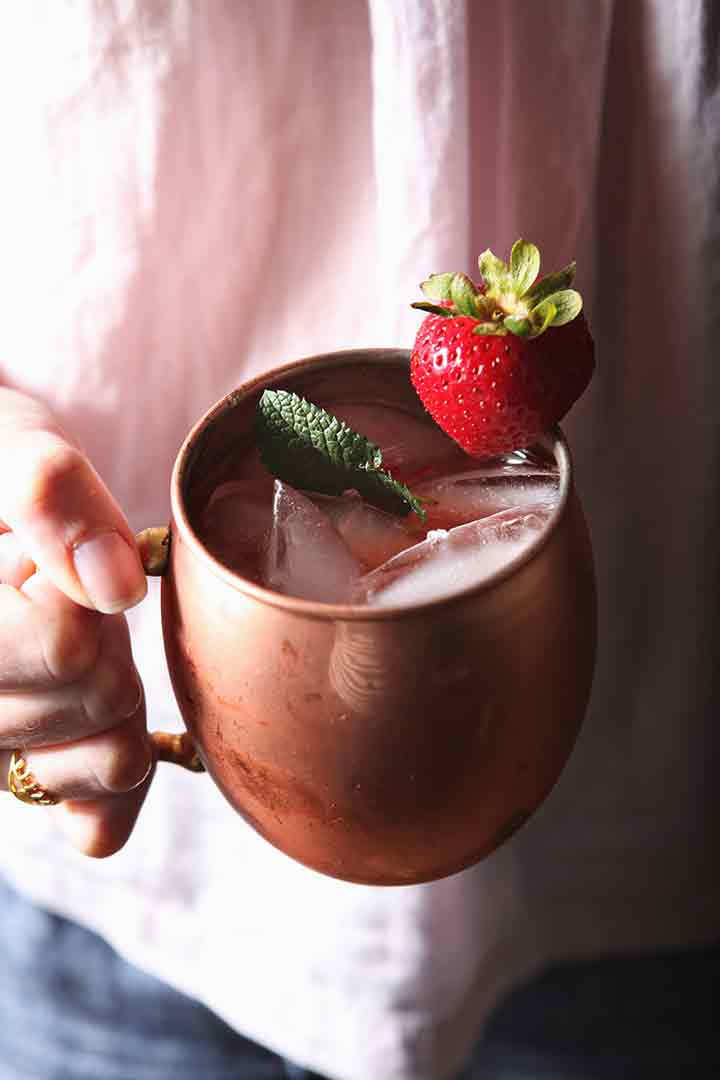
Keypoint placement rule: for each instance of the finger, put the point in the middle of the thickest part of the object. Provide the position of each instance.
(15, 565)
(101, 827)
(112, 763)
(62, 513)
(110, 693)
(46, 640)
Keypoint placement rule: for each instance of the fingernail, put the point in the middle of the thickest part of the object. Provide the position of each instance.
(110, 572)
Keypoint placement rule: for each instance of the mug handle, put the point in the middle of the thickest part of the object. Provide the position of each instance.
(177, 749)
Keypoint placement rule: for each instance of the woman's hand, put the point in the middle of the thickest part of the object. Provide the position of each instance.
(70, 697)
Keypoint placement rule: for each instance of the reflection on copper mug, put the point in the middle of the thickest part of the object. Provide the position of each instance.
(384, 746)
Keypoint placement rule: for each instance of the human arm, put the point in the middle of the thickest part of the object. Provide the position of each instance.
(70, 696)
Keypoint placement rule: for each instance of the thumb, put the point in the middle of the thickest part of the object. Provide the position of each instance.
(61, 512)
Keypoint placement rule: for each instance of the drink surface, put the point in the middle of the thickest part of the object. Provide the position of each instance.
(480, 515)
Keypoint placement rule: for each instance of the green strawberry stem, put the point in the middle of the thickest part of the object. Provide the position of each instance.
(512, 300)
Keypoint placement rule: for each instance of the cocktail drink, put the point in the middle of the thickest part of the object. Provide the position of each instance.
(384, 699)
(480, 516)
(385, 672)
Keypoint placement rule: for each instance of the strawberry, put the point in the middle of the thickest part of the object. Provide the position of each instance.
(497, 365)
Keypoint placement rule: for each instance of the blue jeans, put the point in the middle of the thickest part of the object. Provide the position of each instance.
(71, 1009)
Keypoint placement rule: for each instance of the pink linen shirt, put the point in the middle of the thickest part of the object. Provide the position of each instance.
(196, 190)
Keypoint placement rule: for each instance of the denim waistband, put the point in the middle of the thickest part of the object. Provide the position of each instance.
(72, 1009)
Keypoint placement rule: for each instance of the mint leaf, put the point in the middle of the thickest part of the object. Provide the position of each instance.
(309, 448)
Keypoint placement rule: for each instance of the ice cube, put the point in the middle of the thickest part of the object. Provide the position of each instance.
(235, 524)
(306, 556)
(372, 536)
(411, 447)
(447, 562)
(503, 484)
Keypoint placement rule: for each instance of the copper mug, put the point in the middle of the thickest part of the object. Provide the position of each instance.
(382, 746)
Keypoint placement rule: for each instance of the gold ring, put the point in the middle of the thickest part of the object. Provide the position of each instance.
(24, 786)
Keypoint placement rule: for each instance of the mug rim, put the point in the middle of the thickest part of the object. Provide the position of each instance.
(553, 440)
